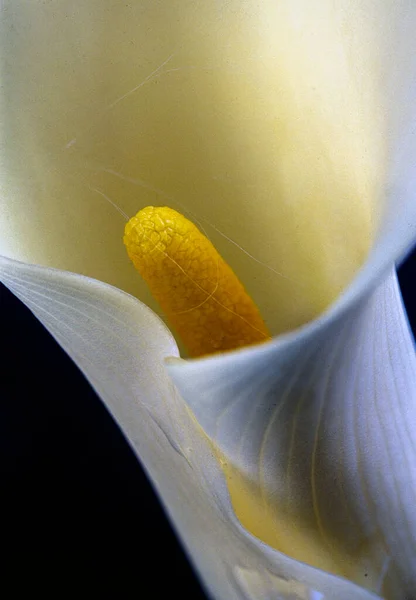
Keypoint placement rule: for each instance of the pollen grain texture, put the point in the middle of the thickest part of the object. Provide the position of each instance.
(199, 293)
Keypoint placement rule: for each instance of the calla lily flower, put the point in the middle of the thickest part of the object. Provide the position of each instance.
(287, 128)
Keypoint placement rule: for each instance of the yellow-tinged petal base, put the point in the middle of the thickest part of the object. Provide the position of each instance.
(199, 293)
(293, 534)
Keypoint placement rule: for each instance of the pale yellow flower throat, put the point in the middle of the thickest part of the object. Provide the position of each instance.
(199, 293)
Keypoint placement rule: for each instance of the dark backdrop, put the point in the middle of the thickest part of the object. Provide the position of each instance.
(78, 516)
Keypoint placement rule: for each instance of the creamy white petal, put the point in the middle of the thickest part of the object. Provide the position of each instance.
(298, 416)
(120, 346)
(319, 420)
(273, 123)
(336, 395)
(319, 424)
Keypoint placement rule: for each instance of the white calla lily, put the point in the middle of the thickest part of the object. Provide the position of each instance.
(294, 461)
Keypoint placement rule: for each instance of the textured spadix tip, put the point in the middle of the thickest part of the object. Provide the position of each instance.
(199, 293)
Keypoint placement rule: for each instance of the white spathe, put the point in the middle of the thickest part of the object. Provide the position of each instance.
(270, 122)
(316, 428)
(121, 347)
(338, 397)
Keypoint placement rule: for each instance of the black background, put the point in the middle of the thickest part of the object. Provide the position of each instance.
(78, 516)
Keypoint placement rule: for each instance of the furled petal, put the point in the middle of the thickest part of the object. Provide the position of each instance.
(315, 428)
(315, 431)
(120, 346)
